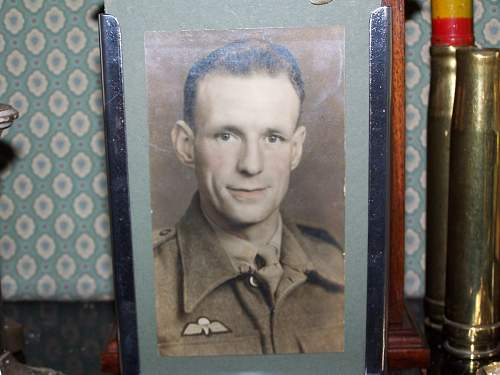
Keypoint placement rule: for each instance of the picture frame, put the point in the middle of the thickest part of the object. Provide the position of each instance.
(366, 186)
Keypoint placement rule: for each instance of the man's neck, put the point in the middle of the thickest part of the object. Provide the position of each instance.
(258, 234)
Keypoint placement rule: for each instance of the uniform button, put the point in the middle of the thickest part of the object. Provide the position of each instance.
(253, 282)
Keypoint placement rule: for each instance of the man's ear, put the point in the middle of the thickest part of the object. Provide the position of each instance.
(297, 145)
(183, 140)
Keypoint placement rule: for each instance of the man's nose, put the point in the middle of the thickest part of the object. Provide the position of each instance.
(251, 158)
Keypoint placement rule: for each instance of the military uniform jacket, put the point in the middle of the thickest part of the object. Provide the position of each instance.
(205, 307)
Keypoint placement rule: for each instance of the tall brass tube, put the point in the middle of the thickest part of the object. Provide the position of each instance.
(441, 97)
(472, 311)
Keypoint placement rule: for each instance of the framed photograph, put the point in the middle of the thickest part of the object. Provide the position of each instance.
(247, 147)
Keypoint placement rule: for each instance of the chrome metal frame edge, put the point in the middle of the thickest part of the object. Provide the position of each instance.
(380, 66)
(118, 187)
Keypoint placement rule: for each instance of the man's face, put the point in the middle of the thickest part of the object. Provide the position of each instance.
(246, 143)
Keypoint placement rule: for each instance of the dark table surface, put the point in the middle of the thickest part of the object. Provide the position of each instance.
(70, 336)
(65, 336)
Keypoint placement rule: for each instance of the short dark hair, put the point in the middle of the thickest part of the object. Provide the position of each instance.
(241, 58)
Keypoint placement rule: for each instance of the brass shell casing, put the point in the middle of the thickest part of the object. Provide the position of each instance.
(441, 98)
(490, 369)
(472, 303)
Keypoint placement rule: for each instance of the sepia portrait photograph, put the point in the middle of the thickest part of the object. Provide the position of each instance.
(247, 189)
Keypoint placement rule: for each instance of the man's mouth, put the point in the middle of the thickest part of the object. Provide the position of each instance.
(246, 193)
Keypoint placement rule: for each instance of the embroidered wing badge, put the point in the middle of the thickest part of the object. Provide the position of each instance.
(204, 327)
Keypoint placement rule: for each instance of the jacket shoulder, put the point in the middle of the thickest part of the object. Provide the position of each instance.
(324, 251)
(162, 237)
(318, 234)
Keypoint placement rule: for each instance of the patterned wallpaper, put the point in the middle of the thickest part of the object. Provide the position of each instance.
(418, 32)
(54, 228)
(54, 240)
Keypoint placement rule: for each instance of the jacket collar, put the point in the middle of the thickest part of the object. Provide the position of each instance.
(206, 265)
(241, 252)
(300, 255)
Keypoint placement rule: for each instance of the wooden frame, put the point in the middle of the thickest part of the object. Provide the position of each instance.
(407, 348)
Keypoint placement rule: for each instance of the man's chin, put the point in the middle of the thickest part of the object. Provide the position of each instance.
(244, 216)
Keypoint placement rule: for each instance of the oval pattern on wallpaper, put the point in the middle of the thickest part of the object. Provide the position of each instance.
(54, 228)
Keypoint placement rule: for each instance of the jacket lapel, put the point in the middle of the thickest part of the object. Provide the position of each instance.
(205, 265)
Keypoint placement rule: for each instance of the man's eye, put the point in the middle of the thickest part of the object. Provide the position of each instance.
(224, 137)
(273, 138)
